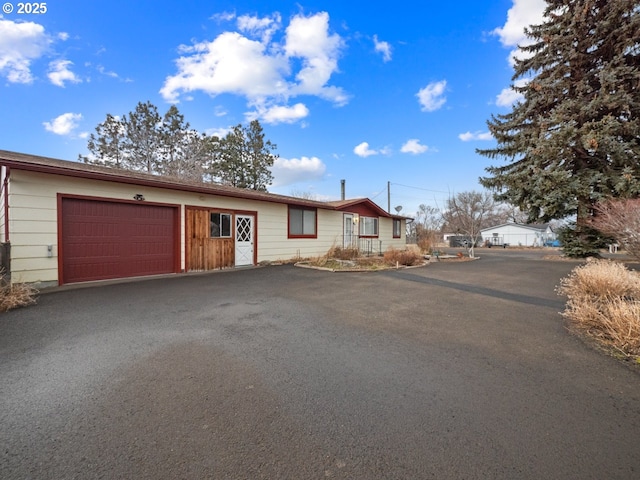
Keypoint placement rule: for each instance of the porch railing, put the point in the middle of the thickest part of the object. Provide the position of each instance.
(365, 245)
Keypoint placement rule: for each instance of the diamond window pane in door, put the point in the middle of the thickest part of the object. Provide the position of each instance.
(243, 229)
(244, 240)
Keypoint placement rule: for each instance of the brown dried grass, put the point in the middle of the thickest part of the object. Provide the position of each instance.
(402, 257)
(426, 244)
(341, 253)
(604, 302)
(16, 295)
(340, 258)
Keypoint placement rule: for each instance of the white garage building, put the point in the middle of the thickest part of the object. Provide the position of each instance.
(515, 234)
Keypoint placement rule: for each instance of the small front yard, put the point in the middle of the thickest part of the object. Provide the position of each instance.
(339, 259)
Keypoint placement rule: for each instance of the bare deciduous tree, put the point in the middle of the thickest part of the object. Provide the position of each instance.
(467, 213)
(427, 226)
(620, 219)
(307, 195)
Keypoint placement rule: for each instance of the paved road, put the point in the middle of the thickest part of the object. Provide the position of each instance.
(451, 371)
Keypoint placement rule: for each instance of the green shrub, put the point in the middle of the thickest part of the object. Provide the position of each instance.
(581, 241)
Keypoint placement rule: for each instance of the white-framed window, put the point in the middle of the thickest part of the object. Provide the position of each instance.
(369, 226)
(220, 225)
(302, 222)
(397, 228)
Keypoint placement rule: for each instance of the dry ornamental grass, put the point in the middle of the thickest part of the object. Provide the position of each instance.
(402, 257)
(16, 295)
(339, 258)
(604, 301)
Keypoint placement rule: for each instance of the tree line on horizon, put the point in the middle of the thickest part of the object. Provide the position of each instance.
(145, 141)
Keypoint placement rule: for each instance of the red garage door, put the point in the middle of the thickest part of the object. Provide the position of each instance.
(102, 240)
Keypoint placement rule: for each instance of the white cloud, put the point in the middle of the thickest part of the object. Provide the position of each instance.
(219, 111)
(284, 114)
(363, 150)
(261, 69)
(413, 146)
(289, 171)
(383, 47)
(63, 124)
(108, 73)
(308, 38)
(231, 63)
(522, 14)
(260, 27)
(59, 73)
(223, 17)
(508, 96)
(20, 44)
(432, 96)
(468, 136)
(64, 36)
(218, 132)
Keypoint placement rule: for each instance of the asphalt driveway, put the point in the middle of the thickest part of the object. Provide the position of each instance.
(454, 370)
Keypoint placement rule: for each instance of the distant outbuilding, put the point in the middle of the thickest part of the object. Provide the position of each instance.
(515, 234)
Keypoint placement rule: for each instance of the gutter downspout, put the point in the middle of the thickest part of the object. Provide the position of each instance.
(5, 192)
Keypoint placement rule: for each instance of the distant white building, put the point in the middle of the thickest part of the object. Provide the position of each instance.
(515, 234)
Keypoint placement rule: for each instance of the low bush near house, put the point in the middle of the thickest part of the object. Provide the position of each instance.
(343, 253)
(402, 257)
(604, 302)
(338, 258)
(426, 244)
(16, 295)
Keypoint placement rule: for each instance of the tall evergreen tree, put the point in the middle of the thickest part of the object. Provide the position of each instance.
(260, 155)
(245, 158)
(143, 140)
(166, 145)
(173, 137)
(107, 145)
(230, 166)
(575, 137)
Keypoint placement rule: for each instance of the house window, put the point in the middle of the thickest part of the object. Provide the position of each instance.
(302, 222)
(220, 225)
(397, 233)
(368, 226)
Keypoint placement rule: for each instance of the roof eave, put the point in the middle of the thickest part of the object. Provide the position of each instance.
(155, 182)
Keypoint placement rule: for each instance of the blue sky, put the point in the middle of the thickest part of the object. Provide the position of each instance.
(346, 90)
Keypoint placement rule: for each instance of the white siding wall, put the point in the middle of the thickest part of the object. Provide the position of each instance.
(385, 234)
(33, 221)
(32, 225)
(515, 235)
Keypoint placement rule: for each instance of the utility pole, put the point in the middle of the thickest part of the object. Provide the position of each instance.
(388, 197)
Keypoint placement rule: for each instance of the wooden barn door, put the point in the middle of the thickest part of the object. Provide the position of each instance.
(205, 252)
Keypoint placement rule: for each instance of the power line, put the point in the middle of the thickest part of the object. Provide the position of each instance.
(418, 188)
(383, 190)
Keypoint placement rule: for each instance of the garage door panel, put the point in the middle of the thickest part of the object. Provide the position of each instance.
(106, 240)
